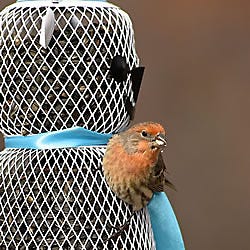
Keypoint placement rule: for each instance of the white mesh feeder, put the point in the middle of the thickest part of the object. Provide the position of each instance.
(58, 199)
(55, 67)
(65, 64)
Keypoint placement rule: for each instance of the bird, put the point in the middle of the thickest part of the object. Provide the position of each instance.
(133, 164)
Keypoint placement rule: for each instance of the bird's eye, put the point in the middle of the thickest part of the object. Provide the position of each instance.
(144, 133)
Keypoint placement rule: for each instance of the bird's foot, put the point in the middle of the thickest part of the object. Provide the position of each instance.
(120, 229)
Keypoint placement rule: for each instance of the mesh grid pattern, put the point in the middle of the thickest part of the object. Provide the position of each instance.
(67, 84)
(51, 199)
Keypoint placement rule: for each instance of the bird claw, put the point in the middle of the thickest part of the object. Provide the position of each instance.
(120, 229)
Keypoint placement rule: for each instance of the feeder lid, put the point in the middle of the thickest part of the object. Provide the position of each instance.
(62, 3)
(56, 1)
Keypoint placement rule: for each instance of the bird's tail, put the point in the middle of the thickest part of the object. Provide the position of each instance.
(169, 184)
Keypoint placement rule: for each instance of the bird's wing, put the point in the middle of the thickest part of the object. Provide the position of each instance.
(159, 180)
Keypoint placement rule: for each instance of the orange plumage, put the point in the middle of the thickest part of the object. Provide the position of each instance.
(133, 164)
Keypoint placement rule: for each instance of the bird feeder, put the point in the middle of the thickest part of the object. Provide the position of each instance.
(65, 66)
(55, 67)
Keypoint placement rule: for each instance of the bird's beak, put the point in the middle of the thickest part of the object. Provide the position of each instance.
(161, 140)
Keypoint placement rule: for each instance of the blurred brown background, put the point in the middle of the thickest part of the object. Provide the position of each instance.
(197, 84)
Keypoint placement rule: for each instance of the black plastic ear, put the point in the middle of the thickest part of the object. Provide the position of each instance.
(119, 68)
(136, 78)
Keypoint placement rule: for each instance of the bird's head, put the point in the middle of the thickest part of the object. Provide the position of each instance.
(149, 137)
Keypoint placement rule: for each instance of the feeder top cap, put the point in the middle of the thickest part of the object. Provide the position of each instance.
(56, 1)
(101, 3)
(62, 3)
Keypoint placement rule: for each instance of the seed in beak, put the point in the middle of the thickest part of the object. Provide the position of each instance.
(160, 139)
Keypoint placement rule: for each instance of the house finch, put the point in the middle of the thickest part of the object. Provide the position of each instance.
(133, 164)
